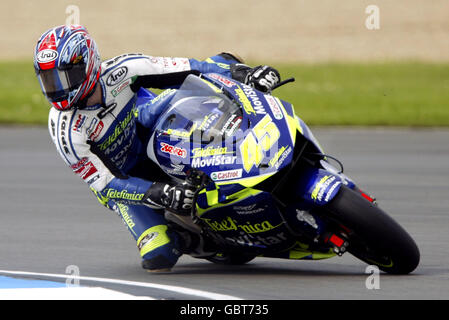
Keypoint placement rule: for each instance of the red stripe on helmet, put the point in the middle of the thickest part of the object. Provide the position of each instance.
(49, 42)
(92, 85)
(47, 65)
(62, 105)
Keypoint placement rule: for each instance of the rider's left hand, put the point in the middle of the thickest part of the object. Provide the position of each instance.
(179, 198)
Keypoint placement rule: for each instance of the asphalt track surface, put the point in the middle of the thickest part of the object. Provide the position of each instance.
(50, 220)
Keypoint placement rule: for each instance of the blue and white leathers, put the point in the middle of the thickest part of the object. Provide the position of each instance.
(102, 146)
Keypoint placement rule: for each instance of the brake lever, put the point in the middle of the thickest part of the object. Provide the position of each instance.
(282, 83)
(199, 180)
(196, 178)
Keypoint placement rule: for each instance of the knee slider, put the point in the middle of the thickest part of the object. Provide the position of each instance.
(157, 249)
(158, 262)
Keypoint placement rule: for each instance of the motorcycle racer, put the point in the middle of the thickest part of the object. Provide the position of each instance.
(101, 133)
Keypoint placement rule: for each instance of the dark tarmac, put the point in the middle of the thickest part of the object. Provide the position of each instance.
(51, 220)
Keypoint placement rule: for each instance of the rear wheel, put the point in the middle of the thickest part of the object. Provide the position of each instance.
(373, 236)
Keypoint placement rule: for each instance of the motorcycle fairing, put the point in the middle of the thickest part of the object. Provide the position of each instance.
(253, 150)
(230, 161)
(317, 186)
(252, 222)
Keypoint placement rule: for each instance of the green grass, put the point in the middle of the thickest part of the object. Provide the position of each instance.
(21, 100)
(396, 94)
(390, 94)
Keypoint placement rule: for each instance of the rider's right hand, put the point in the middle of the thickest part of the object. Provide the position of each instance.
(263, 78)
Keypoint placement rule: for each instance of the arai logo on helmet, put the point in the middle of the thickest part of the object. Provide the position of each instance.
(47, 55)
(116, 76)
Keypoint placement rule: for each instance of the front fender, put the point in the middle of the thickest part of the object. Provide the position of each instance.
(318, 186)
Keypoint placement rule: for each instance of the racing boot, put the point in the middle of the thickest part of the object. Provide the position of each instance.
(196, 245)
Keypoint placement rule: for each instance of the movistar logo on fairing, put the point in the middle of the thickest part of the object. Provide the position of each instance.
(214, 161)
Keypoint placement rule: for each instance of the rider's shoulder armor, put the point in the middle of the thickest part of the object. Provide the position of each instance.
(110, 127)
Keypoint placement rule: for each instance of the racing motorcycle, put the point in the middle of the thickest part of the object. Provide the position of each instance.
(265, 187)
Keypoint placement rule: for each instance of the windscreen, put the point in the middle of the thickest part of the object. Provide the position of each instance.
(201, 112)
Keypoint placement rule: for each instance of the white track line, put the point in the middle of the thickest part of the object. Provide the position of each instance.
(67, 293)
(182, 290)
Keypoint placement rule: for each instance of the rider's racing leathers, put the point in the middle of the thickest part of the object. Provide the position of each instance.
(105, 145)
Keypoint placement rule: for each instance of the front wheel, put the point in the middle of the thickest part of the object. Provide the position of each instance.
(373, 236)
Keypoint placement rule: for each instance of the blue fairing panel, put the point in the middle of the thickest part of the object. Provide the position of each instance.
(150, 106)
(318, 187)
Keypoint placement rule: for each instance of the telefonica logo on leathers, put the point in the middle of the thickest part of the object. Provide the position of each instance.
(114, 194)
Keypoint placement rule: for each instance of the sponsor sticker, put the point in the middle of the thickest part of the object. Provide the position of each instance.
(123, 194)
(225, 81)
(230, 224)
(118, 58)
(175, 169)
(329, 183)
(247, 106)
(92, 180)
(116, 76)
(280, 157)
(115, 92)
(181, 133)
(79, 123)
(162, 95)
(274, 107)
(231, 125)
(47, 55)
(208, 121)
(250, 209)
(209, 151)
(123, 126)
(226, 175)
(84, 168)
(147, 239)
(213, 161)
(255, 101)
(94, 135)
(63, 134)
(329, 193)
(176, 151)
(122, 210)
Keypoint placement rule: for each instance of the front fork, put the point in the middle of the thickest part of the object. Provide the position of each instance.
(316, 188)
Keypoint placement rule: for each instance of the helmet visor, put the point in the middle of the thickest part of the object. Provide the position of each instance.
(57, 83)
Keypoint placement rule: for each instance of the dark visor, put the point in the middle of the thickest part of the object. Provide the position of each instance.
(58, 83)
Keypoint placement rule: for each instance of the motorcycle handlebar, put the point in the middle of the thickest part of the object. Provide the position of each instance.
(282, 83)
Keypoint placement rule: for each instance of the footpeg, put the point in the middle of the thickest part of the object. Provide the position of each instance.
(338, 243)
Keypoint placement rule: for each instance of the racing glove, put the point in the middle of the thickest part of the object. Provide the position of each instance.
(175, 198)
(263, 78)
